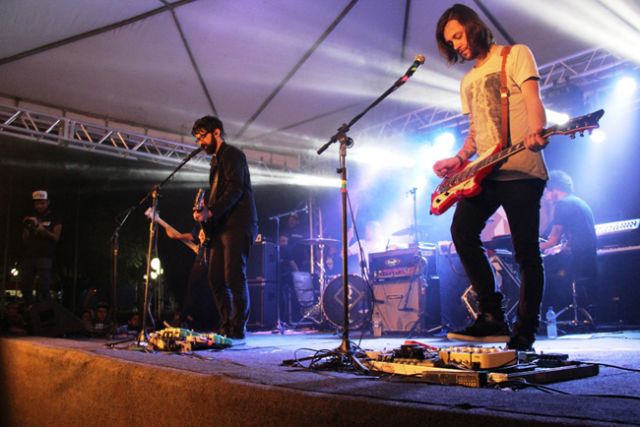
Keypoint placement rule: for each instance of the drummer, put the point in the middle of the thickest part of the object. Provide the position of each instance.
(294, 258)
(374, 241)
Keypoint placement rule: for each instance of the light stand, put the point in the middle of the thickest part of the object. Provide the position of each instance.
(345, 352)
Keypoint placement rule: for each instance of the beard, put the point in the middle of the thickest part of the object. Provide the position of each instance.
(210, 149)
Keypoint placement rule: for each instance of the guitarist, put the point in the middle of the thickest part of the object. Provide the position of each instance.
(517, 184)
(231, 224)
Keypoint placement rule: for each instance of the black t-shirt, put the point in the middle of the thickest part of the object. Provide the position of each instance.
(576, 219)
(38, 246)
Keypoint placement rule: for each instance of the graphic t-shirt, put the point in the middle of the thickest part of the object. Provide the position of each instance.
(480, 92)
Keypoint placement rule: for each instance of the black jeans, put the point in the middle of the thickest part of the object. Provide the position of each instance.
(30, 269)
(521, 202)
(228, 255)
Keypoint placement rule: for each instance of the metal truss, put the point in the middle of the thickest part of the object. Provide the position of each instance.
(83, 135)
(586, 70)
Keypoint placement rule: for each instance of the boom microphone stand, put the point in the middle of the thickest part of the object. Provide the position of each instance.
(346, 349)
(142, 337)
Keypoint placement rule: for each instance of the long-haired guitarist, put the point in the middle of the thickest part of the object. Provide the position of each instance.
(516, 184)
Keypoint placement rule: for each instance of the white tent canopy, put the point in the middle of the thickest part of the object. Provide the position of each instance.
(282, 74)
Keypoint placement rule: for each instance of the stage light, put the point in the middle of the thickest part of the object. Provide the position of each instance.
(445, 139)
(556, 118)
(382, 158)
(626, 86)
(598, 136)
(15, 272)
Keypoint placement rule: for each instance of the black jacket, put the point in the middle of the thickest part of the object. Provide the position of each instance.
(231, 201)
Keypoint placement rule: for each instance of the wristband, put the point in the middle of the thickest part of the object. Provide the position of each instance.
(459, 157)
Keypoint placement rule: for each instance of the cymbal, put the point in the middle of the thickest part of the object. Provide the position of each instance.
(320, 241)
(410, 230)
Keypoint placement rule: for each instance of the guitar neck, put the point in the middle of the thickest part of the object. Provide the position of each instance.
(166, 226)
(492, 159)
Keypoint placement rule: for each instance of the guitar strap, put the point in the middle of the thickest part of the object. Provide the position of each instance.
(504, 99)
(215, 159)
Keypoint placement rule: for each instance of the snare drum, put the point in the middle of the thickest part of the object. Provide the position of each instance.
(359, 302)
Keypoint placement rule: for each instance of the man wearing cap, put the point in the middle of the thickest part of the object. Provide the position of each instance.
(40, 236)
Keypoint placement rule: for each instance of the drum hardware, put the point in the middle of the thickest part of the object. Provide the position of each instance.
(280, 325)
(500, 262)
(359, 297)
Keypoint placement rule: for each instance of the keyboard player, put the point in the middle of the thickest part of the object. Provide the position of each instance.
(572, 238)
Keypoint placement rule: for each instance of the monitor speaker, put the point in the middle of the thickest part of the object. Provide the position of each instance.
(50, 319)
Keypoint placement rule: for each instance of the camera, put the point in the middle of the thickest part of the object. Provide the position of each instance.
(30, 223)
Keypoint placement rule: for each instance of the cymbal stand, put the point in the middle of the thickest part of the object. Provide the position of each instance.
(280, 326)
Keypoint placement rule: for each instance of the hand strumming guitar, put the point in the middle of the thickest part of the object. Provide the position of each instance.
(447, 166)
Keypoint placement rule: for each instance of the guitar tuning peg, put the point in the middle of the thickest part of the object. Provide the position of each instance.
(582, 134)
(572, 136)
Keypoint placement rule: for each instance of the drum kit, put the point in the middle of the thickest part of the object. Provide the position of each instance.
(327, 306)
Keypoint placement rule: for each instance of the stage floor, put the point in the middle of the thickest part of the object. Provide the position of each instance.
(610, 398)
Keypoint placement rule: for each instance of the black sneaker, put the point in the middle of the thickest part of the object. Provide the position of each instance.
(521, 342)
(486, 328)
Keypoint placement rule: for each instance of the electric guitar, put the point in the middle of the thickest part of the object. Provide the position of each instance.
(188, 242)
(466, 181)
(198, 204)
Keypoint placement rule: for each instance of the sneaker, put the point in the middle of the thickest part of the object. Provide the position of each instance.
(486, 328)
(521, 342)
(239, 340)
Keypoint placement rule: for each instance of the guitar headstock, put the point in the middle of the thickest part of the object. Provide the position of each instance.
(198, 204)
(149, 213)
(580, 124)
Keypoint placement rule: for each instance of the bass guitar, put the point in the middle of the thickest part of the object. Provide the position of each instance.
(466, 181)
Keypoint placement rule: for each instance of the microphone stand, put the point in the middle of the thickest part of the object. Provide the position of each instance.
(346, 351)
(280, 325)
(142, 336)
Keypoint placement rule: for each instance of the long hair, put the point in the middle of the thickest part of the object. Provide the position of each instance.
(479, 36)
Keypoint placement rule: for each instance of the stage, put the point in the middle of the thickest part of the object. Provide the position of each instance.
(55, 381)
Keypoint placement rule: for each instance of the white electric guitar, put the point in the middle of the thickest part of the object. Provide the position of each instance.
(150, 214)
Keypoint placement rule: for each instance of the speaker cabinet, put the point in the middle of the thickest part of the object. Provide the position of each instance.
(50, 319)
(261, 265)
(263, 305)
(400, 305)
(617, 291)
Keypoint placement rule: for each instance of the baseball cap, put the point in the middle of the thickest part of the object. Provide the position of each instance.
(39, 195)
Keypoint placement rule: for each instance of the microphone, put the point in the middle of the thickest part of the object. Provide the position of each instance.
(412, 69)
(194, 153)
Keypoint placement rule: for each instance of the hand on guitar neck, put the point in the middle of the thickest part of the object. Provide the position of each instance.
(462, 179)
(172, 233)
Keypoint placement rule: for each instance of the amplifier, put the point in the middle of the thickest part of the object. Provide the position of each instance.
(262, 262)
(400, 305)
(402, 263)
(263, 305)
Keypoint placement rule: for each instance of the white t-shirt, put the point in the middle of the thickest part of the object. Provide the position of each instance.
(480, 92)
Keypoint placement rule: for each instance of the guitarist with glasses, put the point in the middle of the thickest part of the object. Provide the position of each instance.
(231, 224)
(501, 96)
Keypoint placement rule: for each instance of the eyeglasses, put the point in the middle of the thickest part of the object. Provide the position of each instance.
(201, 136)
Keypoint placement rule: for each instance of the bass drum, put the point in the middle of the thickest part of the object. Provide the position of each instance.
(359, 302)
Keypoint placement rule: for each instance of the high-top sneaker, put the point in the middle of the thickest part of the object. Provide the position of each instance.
(486, 328)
